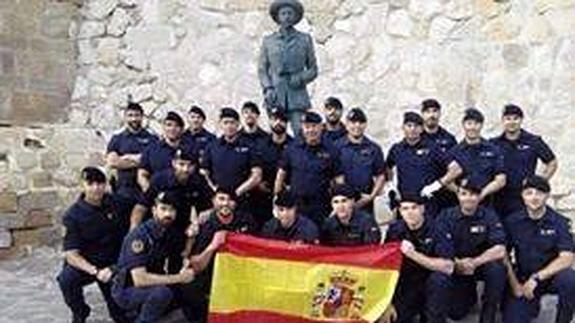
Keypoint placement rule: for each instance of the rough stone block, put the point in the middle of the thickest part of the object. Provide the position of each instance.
(5, 239)
(8, 202)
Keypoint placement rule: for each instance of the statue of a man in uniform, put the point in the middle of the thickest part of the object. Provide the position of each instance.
(287, 63)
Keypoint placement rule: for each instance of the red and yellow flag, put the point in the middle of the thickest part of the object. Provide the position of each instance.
(264, 281)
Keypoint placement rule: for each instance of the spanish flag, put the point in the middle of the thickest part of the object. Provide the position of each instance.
(263, 281)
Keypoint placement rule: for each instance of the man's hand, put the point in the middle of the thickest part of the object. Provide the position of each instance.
(428, 190)
(529, 288)
(193, 229)
(465, 266)
(218, 240)
(186, 275)
(389, 316)
(270, 96)
(104, 275)
(407, 248)
(516, 288)
(204, 216)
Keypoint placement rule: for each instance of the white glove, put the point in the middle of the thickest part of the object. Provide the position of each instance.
(428, 190)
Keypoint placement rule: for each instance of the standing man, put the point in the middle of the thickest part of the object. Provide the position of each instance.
(433, 132)
(158, 156)
(521, 151)
(91, 246)
(224, 218)
(251, 128)
(442, 139)
(125, 152)
(183, 182)
(543, 246)
(287, 63)
(288, 224)
(231, 161)
(420, 164)
(481, 160)
(197, 136)
(479, 241)
(309, 166)
(142, 285)
(272, 150)
(425, 256)
(333, 111)
(348, 226)
(362, 160)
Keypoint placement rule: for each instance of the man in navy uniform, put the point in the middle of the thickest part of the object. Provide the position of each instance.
(141, 285)
(521, 151)
(479, 240)
(125, 152)
(348, 226)
(480, 159)
(260, 197)
(425, 255)
(433, 131)
(224, 217)
(333, 112)
(158, 156)
(231, 160)
(542, 243)
(91, 246)
(197, 136)
(288, 224)
(421, 166)
(185, 183)
(309, 166)
(362, 160)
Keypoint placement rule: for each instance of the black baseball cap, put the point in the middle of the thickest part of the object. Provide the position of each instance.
(93, 175)
(473, 114)
(412, 117)
(537, 182)
(229, 113)
(356, 115)
(175, 117)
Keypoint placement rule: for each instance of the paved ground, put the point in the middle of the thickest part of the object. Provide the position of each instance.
(29, 294)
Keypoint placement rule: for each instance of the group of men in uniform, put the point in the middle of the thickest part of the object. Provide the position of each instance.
(467, 212)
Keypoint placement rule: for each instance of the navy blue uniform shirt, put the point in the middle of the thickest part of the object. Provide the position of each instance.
(95, 231)
(425, 240)
(520, 160)
(537, 242)
(471, 235)
(442, 138)
(482, 161)
(361, 230)
(335, 135)
(145, 246)
(302, 230)
(189, 194)
(230, 163)
(417, 165)
(129, 142)
(159, 155)
(360, 162)
(310, 169)
(198, 140)
(270, 156)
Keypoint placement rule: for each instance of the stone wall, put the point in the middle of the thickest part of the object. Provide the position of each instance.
(383, 55)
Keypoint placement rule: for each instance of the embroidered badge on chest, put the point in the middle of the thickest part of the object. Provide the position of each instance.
(137, 246)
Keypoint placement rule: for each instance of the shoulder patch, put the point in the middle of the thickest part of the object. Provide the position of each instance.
(137, 246)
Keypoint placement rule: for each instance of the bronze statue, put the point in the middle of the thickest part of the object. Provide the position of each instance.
(287, 63)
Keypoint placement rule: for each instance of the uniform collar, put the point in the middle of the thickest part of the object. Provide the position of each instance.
(479, 213)
(353, 221)
(420, 144)
(105, 205)
(364, 141)
(481, 142)
(522, 135)
(234, 143)
(155, 228)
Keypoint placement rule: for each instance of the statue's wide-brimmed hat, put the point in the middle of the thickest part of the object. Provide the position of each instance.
(295, 4)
